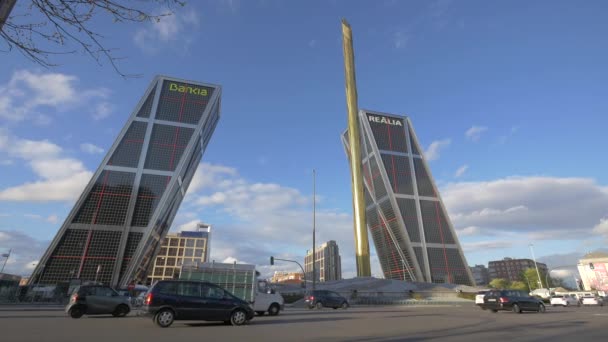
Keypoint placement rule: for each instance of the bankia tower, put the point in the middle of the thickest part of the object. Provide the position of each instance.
(412, 233)
(114, 230)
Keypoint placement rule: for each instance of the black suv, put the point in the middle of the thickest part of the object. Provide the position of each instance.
(511, 300)
(170, 300)
(323, 298)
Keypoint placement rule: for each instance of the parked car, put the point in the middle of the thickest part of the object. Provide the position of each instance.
(564, 300)
(323, 298)
(171, 300)
(97, 300)
(512, 300)
(479, 298)
(592, 300)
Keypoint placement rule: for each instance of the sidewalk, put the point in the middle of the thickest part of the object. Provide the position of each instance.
(31, 307)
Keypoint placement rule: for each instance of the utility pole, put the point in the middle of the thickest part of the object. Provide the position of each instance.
(540, 283)
(314, 223)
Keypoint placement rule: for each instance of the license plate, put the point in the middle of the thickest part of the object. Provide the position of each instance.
(491, 300)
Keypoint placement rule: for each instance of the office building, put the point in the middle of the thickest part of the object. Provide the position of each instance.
(480, 275)
(116, 226)
(177, 249)
(327, 261)
(287, 277)
(408, 222)
(512, 269)
(593, 270)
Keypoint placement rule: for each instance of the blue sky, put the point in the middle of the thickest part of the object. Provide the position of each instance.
(508, 98)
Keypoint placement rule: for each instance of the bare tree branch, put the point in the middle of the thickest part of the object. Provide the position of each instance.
(68, 22)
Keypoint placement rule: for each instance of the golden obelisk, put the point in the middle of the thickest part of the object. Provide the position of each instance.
(361, 241)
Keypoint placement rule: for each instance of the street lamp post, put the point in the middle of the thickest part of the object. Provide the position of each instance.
(540, 283)
(314, 228)
(6, 255)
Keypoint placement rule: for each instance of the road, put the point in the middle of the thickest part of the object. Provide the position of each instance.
(389, 323)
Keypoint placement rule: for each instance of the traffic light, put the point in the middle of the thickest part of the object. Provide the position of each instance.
(272, 260)
(591, 266)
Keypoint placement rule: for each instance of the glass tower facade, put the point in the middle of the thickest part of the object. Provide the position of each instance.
(412, 233)
(117, 225)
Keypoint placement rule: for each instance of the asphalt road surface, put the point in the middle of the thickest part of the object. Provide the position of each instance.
(388, 323)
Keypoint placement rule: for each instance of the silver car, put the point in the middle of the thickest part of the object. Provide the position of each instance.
(97, 300)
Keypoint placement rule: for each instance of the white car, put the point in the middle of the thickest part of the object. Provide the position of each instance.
(593, 300)
(564, 300)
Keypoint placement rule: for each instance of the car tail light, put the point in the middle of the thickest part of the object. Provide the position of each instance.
(503, 300)
(75, 297)
(148, 299)
(311, 298)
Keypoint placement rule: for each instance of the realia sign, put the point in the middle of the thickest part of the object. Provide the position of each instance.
(384, 120)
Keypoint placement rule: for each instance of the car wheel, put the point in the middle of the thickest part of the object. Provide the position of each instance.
(164, 318)
(541, 308)
(319, 305)
(274, 309)
(260, 313)
(494, 311)
(121, 311)
(238, 317)
(344, 306)
(516, 308)
(76, 312)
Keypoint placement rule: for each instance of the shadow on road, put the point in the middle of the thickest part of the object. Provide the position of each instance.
(269, 322)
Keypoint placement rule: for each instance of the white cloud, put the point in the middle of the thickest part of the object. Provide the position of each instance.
(102, 110)
(602, 227)
(400, 39)
(480, 246)
(211, 174)
(26, 251)
(541, 207)
(276, 220)
(434, 150)
(189, 226)
(474, 133)
(52, 219)
(28, 92)
(60, 178)
(6, 162)
(461, 170)
(90, 148)
(468, 231)
(170, 28)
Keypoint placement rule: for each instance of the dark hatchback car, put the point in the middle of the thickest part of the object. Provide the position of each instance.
(511, 300)
(171, 300)
(97, 300)
(323, 298)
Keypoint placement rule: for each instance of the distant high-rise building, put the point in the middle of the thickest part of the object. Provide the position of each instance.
(512, 269)
(593, 270)
(327, 261)
(410, 227)
(115, 229)
(480, 274)
(183, 248)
